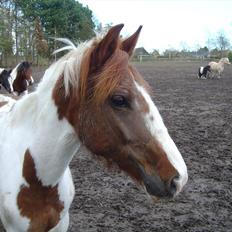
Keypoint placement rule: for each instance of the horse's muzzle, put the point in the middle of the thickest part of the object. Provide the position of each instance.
(154, 185)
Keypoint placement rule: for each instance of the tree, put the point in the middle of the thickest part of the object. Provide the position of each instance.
(184, 46)
(60, 18)
(203, 52)
(230, 56)
(222, 43)
(27, 27)
(210, 43)
(6, 40)
(16, 32)
(40, 43)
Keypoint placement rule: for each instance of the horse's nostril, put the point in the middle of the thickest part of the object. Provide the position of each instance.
(172, 186)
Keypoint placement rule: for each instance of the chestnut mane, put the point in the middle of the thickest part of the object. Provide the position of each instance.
(74, 68)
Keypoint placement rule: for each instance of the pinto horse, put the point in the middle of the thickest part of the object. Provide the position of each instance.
(21, 78)
(91, 97)
(5, 80)
(217, 68)
(203, 72)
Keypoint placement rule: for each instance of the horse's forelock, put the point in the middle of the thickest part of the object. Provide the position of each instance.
(110, 77)
(97, 86)
(24, 65)
(100, 85)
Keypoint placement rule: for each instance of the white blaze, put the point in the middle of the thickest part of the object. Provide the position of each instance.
(32, 80)
(160, 133)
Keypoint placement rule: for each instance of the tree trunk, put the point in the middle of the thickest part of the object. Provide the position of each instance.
(16, 33)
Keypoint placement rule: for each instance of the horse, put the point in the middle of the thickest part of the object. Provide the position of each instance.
(21, 78)
(217, 68)
(203, 72)
(5, 80)
(92, 97)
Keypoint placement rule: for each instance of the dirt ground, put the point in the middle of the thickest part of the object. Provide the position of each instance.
(198, 114)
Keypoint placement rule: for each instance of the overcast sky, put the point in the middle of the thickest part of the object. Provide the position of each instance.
(167, 23)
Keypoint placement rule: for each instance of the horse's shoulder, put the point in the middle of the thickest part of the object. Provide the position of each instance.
(36, 201)
(6, 103)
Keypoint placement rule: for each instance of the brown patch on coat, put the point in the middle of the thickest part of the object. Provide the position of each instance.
(3, 103)
(40, 204)
(68, 106)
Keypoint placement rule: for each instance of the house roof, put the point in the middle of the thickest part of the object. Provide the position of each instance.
(140, 51)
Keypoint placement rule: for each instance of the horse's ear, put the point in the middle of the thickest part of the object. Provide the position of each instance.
(105, 48)
(128, 45)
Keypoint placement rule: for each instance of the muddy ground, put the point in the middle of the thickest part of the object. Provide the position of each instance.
(198, 114)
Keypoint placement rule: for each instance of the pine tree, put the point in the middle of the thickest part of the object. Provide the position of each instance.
(40, 43)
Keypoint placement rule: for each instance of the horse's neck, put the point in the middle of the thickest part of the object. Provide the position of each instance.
(221, 65)
(14, 73)
(51, 142)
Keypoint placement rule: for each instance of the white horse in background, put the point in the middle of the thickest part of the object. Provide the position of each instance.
(217, 68)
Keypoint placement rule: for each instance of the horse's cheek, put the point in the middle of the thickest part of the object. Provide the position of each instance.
(95, 135)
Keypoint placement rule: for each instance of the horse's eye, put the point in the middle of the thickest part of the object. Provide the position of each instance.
(119, 101)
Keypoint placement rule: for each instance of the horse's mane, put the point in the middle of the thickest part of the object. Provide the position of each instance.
(67, 66)
(14, 72)
(75, 64)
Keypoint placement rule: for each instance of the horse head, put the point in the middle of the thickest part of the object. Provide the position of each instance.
(5, 80)
(22, 77)
(225, 60)
(25, 71)
(112, 113)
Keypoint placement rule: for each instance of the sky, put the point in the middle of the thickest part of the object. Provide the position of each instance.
(167, 24)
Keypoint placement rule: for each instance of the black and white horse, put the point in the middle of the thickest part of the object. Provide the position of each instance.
(5, 80)
(203, 72)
